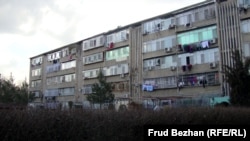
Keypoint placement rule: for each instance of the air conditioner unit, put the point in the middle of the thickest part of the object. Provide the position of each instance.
(212, 65)
(158, 27)
(171, 26)
(213, 41)
(168, 49)
(126, 95)
(145, 33)
(122, 75)
(173, 68)
(188, 24)
(85, 78)
(150, 68)
(245, 6)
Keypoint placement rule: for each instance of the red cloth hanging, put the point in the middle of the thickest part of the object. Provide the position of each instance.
(111, 45)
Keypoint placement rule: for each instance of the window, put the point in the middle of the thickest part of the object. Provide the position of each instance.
(160, 63)
(159, 44)
(54, 56)
(110, 38)
(196, 15)
(36, 72)
(202, 79)
(202, 58)
(246, 49)
(187, 80)
(107, 71)
(53, 68)
(67, 91)
(85, 45)
(187, 60)
(65, 52)
(165, 23)
(159, 83)
(54, 80)
(36, 93)
(152, 26)
(35, 83)
(101, 40)
(93, 43)
(118, 36)
(114, 54)
(51, 92)
(206, 13)
(121, 36)
(72, 50)
(199, 57)
(68, 65)
(87, 89)
(243, 2)
(245, 26)
(98, 57)
(60, 79)
(184, 18)
(68, 78)
(90, 73)
(37, 61)
(216, 56)
(198, 35)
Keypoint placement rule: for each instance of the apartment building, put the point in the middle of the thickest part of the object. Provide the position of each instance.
(169, 57)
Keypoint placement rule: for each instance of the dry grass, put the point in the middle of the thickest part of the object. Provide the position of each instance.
(107, 125)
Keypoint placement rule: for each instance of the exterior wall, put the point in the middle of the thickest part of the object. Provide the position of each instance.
(136, 64)
(116, 80)
(225, 16)
(228, 22)
(38, 89)
(187, 91)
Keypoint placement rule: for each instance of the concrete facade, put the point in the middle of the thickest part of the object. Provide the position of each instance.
(171, 56)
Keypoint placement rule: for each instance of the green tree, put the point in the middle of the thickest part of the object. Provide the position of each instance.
(238, 78)
(7, 91)
(23, 96)
(101, 91)
(10, 93)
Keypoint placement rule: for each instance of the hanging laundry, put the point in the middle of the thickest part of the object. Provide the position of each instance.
(158, 62)
(186, 48)
(54, 61)
(150, 88)
(180, 47)
(205, 44)
(204, 82)
(184, 68)
(70, 56)
(180, 84)
(111, 45)
(147, 87)
(190, 49)
(144, 87)
(195, 80)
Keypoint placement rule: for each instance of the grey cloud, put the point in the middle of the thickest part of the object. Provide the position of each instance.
(14, 13)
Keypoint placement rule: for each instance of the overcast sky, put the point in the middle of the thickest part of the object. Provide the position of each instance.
(32, 27)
